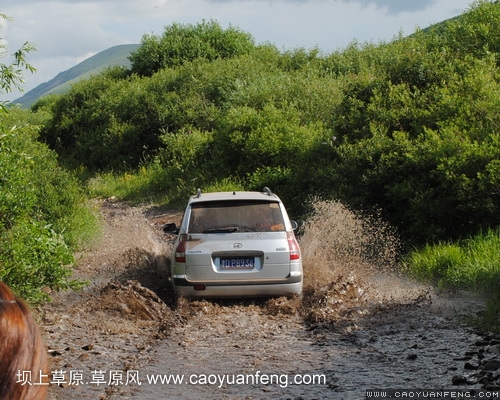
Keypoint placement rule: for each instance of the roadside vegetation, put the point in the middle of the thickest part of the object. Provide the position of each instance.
(44, 217)
(406, 130)
(472, 264)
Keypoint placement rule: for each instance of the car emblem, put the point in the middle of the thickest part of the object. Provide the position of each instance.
(237, 245)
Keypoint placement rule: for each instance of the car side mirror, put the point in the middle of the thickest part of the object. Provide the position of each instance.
(171, 228)
(295, 225)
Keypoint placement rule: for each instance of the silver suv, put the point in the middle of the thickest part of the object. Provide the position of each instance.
(235, 244)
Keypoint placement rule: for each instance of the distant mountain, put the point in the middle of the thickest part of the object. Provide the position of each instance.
(117, 55)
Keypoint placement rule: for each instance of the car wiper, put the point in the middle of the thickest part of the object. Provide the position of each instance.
(228, 229)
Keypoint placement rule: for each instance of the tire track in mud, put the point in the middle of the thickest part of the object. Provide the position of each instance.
(238, 351)
(417, 345)
(350, 333)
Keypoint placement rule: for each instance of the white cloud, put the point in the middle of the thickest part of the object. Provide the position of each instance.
(392, 6)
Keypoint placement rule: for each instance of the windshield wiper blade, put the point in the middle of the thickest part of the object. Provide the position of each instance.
(229, 229)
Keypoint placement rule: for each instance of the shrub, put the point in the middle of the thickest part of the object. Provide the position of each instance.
(43, 214)
(181, 44)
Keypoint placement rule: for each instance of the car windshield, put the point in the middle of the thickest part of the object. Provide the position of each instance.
(235, 216)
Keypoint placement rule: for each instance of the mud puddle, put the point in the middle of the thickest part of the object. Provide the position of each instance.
(244, 352)
(355, 328)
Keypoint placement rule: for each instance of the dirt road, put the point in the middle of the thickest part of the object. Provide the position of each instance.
(352, 331)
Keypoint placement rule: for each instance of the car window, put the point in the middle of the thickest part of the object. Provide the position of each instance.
(235, 216)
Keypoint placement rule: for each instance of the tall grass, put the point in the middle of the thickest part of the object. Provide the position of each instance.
(151, 184)
(147, 184)
(472, 264)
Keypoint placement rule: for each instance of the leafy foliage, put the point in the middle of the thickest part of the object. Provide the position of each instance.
(43, 216)
(180, 44)
(408, 127)
(11, 75)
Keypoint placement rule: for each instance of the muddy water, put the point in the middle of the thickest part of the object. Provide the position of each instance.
(347, 335)
(353, 331)
(414, 345)
(257, 349)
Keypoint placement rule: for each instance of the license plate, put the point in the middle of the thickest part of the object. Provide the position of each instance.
(237, 263)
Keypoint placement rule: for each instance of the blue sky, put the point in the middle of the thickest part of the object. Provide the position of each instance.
(65, 32)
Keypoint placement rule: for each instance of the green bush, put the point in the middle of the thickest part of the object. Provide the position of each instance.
(182, 160)
(43, 214)
(181, 44)
(408, 127)
(34, 257)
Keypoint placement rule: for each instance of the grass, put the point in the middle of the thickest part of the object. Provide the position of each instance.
(472, 264)
(145, 185)
(149, 185)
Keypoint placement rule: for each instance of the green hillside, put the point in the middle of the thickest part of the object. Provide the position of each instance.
(117, 55)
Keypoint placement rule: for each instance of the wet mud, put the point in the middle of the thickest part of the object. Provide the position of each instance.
(360, 325)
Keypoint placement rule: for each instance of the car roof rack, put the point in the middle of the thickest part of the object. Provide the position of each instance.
(267, 191)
